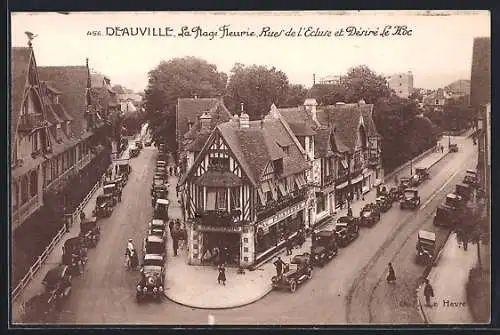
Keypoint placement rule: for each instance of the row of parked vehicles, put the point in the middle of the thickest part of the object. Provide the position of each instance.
(151, 283)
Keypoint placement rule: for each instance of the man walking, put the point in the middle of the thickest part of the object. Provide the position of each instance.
(428, 293)
(289, 246)
(279, 267)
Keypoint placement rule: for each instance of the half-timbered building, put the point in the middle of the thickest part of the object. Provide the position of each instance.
(245, 193)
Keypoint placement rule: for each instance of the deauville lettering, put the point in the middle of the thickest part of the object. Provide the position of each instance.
(139, 31)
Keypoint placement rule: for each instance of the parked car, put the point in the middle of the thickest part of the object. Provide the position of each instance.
(157, 227)
(415, 180)
(422, 173)
(161, 209)
(411, 199)
(133, 152)
(471, 178)
(453, 147)
(369, 215)
(455, 201)
(90, 232)
(74, 255)
(57, 284)
(446, 216)
(111, 191)
(382, 190)
(384, 204)
(426, 242)
(404, 183)
(138, 144)
(394, 194)
(324, 248)
(103, 206)
(298, 271)
(159, 192)
(154, 245)
(161, 164)
(151, 283)
(346, 232)
(464, 190)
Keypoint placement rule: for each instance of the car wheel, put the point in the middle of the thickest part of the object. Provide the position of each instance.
(293, 286)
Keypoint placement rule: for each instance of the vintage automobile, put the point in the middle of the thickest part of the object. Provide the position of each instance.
(464, 190)
(384, 204)
(111, 190)
(455, 201)
(138, 144)
(124, 168)
(161, 209)
(446, 216)
(134, 152)
(154, 245)
(57, 284)
(346, 232)
(394, 194)
(404, 183)
(415, 180)
(426, 242)
(158, 227)
(75, 254)
(152, 274)
(298, 271)
(160, 163)
(411, 199)
(159, 192)
(382, 190)
(471, 178)
(90, 232)
(147, 143)
(161, 156)
(453, 147)
(324, 247)
(369, 215)
(103, 206)
(422, 173)
(157, 180)
(161, 171)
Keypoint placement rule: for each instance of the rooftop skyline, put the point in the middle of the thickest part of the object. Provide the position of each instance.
(438, 52)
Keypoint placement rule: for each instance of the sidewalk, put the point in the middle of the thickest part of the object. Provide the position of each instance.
(449, 279)
(35, 286)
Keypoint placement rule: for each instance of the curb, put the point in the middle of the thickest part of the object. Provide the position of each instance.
(420, 308)
(246, 303)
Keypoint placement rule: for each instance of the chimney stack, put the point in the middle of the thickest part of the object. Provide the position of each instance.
(244, 119)
(205, 120)
(310, 105)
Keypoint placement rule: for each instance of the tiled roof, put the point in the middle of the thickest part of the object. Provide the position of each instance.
(72, 82)
(219, 114)
(20, 59)
(322, 147)
(481, 72)
(198, 142)
(371, 128)
(190, 109)
(345, 119)
(299, 120)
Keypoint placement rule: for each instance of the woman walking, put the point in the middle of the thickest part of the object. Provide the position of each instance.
(391, 275)
(222, 274)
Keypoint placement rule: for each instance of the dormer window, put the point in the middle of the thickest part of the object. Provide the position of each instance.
(278, 166)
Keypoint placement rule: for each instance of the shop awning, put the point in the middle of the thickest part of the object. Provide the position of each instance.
(282, 188)
(344, 163)
(357, 179)
(261, 196)
(219, 179)
(300, 180)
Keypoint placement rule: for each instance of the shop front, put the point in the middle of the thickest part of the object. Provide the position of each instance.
(272, 232)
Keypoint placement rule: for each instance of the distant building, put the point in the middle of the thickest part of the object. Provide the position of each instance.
(331, 80)
(436, 100)
(459, 89)
(401, 83)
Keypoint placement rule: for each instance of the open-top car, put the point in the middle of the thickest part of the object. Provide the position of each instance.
(298, 271)
(57, 283)
(384, 204)
(90, 231)
(415, 180)
(151, 283)
(324, 247)
(75, 254)
(154, 245)
(411, 199)
(103, 206)
(453, 147)
(426, 242)
(422, 173)
(471, 178)
(161, 209)
(158, 228)
(346, 232)
(369, 215)
(124, 167)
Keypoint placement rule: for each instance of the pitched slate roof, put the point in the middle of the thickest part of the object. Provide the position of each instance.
(198, 142)
(72, 82)
(190, 109)
(322, 146)
(219, 114)
(344, 119)
(20, 59)
(299, 120)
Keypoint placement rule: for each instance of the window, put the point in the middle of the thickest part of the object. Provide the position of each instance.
(216, 199)
(24, 189)
(34, 142)
(33, 183)
(320, 202)
(437, 102)
(235, 198)
(15, 195)
(219, 163)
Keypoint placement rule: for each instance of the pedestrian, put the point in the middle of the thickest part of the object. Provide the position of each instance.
(391, 275)
(175, 244)
(349, 211)
(465, 241)
(222, 274)
(289, 246)
(279, 267)
(171, 228)
(313, 236)
(428, 293)
(442, 149)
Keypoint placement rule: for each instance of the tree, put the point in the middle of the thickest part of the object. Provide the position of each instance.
(257, 87)
(119, 89)
(457, 115)
(295, 96)
(363, 83)
(329, 94)
(417, 95)
(174, 79)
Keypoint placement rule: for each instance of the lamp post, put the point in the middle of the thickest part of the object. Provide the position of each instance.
(349, 185)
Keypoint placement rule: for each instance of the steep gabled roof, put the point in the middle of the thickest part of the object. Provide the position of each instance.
(72, 82)
(190, 109)
(20, 60)
(219, 114)
(299, 120)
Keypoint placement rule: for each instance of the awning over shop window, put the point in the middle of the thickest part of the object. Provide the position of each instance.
(300, 180)
(282, 188)
(344, 163)
(261, 196)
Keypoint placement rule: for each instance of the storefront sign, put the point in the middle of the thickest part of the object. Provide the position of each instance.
(233, 229)
(281, 215)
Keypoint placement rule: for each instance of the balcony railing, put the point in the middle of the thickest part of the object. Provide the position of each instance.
(273, 206)
(59, 181)
(23, 212)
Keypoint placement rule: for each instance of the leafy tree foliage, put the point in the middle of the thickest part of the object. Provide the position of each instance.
(173, 79)
(295, 96)
(257, 87)
(133, 121)
(363, 83)
(329, 94)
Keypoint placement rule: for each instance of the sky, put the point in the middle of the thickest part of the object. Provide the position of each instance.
(436, 46)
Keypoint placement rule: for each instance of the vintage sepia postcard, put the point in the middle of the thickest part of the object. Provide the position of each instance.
(250, 168)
